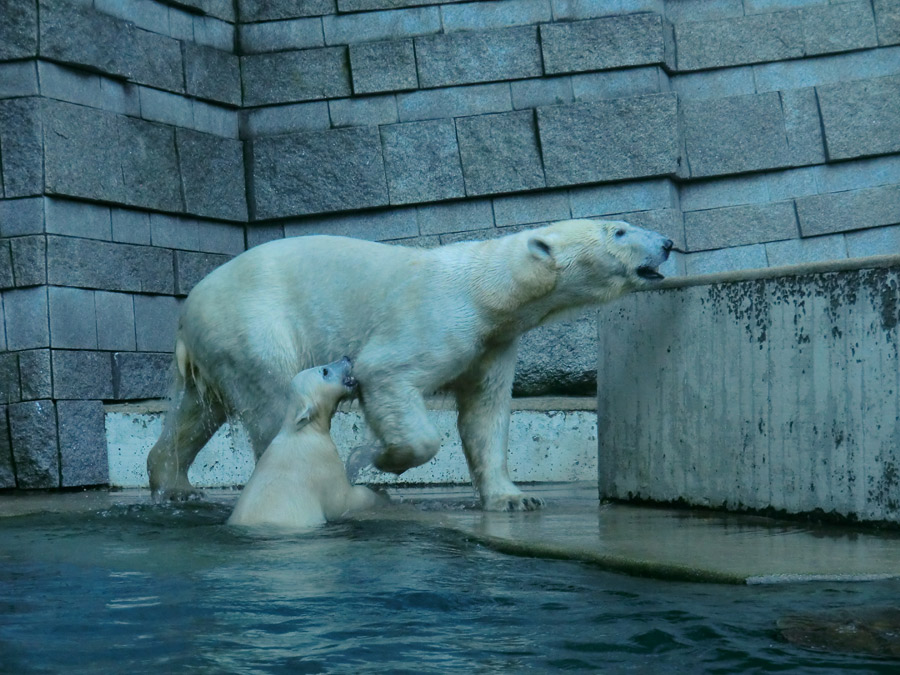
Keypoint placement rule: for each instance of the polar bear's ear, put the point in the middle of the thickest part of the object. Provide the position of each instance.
(304, 414)
(540, 248)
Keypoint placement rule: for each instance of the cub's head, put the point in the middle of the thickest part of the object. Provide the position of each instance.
(597, 261)
(316, 392)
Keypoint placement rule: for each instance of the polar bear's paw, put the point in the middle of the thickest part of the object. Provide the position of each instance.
(513, 502)
(191, 494)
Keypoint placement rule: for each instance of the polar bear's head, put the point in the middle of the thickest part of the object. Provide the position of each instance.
(596, 261)
(316, 392)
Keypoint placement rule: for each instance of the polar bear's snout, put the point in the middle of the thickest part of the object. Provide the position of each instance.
(340, 372)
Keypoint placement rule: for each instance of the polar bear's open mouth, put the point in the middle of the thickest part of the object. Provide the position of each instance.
(349, 382)
(649, 273)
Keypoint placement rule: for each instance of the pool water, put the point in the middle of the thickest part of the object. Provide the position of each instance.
(146, 588)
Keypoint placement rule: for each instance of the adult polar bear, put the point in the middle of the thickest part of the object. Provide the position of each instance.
(413, 320)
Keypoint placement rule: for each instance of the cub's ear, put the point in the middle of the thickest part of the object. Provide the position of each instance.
(304, 414)
(540, 249)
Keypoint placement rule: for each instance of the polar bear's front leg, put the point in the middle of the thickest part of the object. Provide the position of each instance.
(397, 414)
(484, 396)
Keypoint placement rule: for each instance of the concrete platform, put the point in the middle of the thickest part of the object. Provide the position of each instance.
(670, 544)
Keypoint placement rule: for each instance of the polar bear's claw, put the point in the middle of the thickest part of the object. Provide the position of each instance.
(515, 503)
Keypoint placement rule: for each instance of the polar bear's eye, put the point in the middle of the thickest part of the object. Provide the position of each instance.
(324, 372)
(620, 233)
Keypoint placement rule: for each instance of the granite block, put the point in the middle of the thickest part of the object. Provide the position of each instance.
(838, 28)
(421, 161)
(29, 260)
(712, 84)
(120, 97)
(73, 33)
(576, 10)
(7, 278)
(35, 374)
(211, 32)
(18, 30)
(285, 119)
(262, 234)
(478, 99)
(82, 443)
(736, 134)
(702, 10)
(212, 74)
(174, 232)
(619, 83)
(130, 226)
(383, 66)
(820, 70)
(727, 260)
(373, 225)
(32, 430)
(18, 79)
(155, 322)
(887, 21)
(81, 374)
(851, 210)
(82, 154)
(366, 5)
(156, 60)
(77, 219)
(21, 141)
(855, 175)
(139, 375)
(215, 119)
(73, 319)
(803, 126)
(166, 107)
(603, 200)
(25, 312)
(212, 175)
(860, 118)
(305, 75)
(21, 216)
(540, 207)
(149, 163)
(874, 241)
(9, 377)
(610, 140)
(600, 44)
(315, 172)
(278, 36)
(363, 111)
(739, 225)
(115, 321)
(500, 153)
(68, 84)
(809, 250)
(271, 10)
(484, 15)
(7, 472)
(558, 359)
(85, 263)
(541, 91)
(478, 56)
(216, 237)
(345, 29)
(461, 216)
(191, 267)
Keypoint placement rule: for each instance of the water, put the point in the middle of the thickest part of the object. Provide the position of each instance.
(143, 588)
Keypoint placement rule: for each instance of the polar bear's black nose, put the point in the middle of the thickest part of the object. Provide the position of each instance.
(668, 245)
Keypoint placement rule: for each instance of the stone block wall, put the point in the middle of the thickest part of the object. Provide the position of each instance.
(145, 142)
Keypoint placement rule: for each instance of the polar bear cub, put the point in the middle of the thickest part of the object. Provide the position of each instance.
(300, 481)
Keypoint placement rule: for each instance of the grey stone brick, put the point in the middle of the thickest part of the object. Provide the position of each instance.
(81, 374)
(155, 322)
(82, 155)
(18, 30)
(732, 191)
(115, 320)
(599, 44)
(838, 28)
(212, 74)
(719, 83)
(540, 207)
(32, 429)
(212, 175)
(149, 165)
(21, 140)
(619, 84)
(139, 375)
(461, 216)
(739, 225)
(149, 15)
(191, 267)
(108, 266)
(732, 135)
(859, 174)
(751, 39)
(9, 377)
(887, 20)
(558, 359)
(262, 234)
(155, 60)
(504, 14)
(347, 29)
(120, 97)
(360, 112)
(77, 219)
(851, 210)
(315, 172)
(727, 260)
(783, 185)
(29, 260)
(82, 443)
(174, 232)
(215, 120)
(702, 10)
(374, 225)
(68, 84)
(799, 251)
(21, 216)
(25, 311)
(768, 6)
(604, 200)
(483, 56)
(181, 24)
(574, 10)
(165, 107)
(500, 153)
(826, 69)
(7, 279)
(541, 91)
(130, 226)
(476, 99)
(285, 119)
(802, 126)
(874, 241)
(7, 474)
(269, 10)
(383, 66)
(610, 140)
(421, 160)
(211, 32)
(18, 79)
(214, 237)
(277, 36)
(304, 75)
(860, 118)
(73, 320)
(35, 374)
